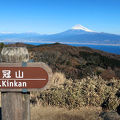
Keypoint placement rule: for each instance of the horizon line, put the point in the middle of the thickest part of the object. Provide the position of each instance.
(69, 43)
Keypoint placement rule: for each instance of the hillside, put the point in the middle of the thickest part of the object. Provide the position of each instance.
(76, 62)
(85, 91)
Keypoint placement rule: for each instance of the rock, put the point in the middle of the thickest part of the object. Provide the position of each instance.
(111, 115)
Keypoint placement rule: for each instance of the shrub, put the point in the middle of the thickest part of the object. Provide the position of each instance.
(90, 91)
(58, 79)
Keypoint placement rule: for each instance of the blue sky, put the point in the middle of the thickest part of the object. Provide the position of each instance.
(53, 16)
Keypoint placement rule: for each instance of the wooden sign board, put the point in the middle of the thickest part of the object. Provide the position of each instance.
(31, 77)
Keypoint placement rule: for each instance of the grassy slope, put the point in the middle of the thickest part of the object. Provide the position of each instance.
(55, 113)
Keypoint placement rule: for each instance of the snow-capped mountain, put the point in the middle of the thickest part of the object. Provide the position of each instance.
(76, 30)
(80, 27)
(77, 34)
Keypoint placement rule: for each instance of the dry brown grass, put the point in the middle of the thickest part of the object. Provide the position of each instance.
(58, 79)
(39, 112)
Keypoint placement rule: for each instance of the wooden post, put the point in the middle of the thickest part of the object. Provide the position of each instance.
(15, 105)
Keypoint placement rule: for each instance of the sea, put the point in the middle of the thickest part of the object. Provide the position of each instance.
(107, 48)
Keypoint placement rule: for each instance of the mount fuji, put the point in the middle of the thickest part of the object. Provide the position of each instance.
(76, 30)
(77, 35)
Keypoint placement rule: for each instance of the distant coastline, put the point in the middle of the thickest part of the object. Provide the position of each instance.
(110, 48)
(50, 42)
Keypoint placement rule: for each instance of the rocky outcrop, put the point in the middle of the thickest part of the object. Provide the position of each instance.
(111, 115)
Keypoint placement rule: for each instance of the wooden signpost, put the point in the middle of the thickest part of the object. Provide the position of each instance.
(17, 78)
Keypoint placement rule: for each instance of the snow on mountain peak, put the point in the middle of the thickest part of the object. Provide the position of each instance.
(80, 27)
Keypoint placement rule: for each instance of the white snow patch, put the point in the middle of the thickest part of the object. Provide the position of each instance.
(80, 27)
